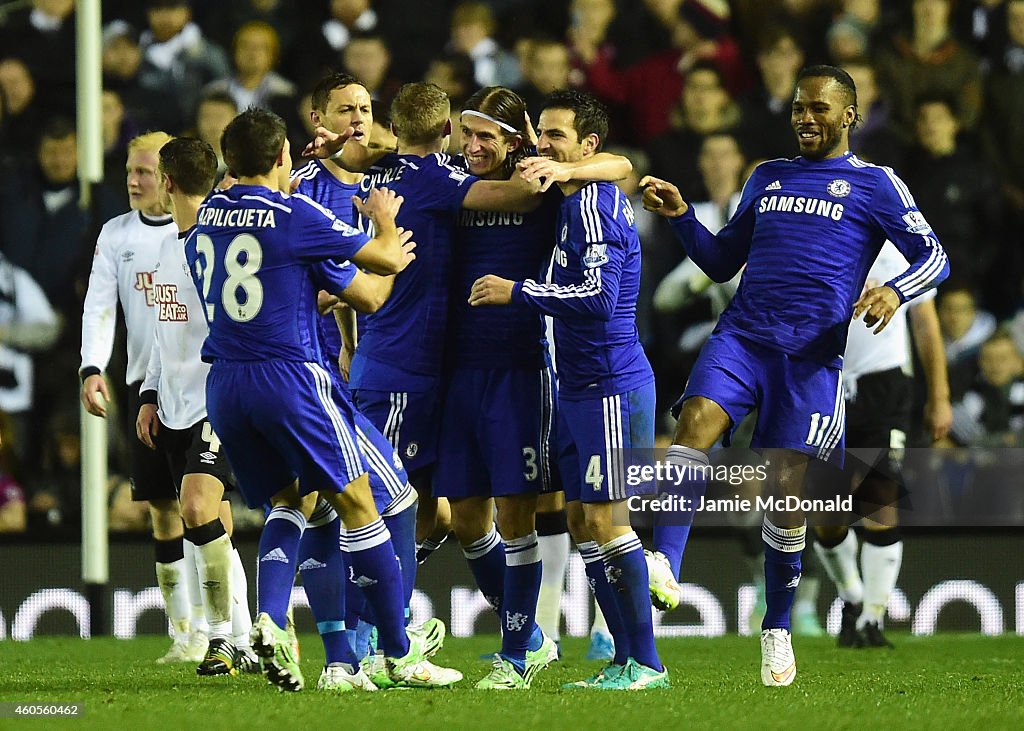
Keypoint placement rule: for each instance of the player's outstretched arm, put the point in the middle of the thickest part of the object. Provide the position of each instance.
(938, 411)
(328, 145)
(367, 292)
(516, 195)
(600, 167)
(663, 198)
(389, 252)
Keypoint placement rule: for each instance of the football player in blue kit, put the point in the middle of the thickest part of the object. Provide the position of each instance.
(606, 385)
(807, 230)
(277, 410)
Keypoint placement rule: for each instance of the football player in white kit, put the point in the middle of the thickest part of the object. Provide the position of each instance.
(172, 415)
(879, 397)
(122, 271)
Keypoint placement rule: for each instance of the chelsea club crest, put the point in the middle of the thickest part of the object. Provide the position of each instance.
(838, 188)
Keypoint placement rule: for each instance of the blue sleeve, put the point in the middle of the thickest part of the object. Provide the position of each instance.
(895, 211)
(592, 298)
(333, 276)
(449, 184)
(317, 234)
(720, 256)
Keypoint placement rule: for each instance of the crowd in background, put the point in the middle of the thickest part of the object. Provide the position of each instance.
(699, 90)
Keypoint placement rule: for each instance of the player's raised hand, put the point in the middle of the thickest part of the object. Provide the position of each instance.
(326, 143)
(382, 205)
(663, 198)
(147, 425)
(545, 170)
(878, 305)
(491, 290)
(95, 395)
(405, 239)
(531, 133)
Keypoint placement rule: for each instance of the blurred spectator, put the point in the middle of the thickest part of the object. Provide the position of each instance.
(983, 23)
(546, 70)
(1003, 134)
(222, 19)
(721, 166)
(55, 500)
(42, 227)
(255, 51)
(43, 35)
(453, 72)
(991, 413)
(955, 190)
(588, 32)
(213, 114)
(766, 128)
(122, 59)
(930, 60)
(807, 20)
(367, 58)
(964, 329)
(117, 128)
(472, 33)
(698, 35)
(27, 325)
(873, 139)
(705, 109)
(320, 48)
(22, 115)
(177, 60)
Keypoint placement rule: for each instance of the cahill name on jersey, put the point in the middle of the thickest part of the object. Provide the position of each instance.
(808, 231)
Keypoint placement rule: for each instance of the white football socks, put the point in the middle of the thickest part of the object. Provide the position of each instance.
(173, 583)
(880, 566)
(241, 619)
(554, 557)
(840, 564)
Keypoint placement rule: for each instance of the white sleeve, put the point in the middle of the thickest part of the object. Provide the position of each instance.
(100, 310)
(35, 326)
(153, 369)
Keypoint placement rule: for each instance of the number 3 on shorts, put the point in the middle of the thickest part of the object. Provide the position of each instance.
(594, 478)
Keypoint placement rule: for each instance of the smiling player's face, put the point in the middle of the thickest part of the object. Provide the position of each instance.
(485, 147)
(821, 118)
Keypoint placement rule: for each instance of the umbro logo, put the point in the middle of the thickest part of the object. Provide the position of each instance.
(208, 458)
(311, 563)
(774, 186)
(275, 555)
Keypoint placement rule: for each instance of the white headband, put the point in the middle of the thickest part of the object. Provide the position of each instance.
(506, 127)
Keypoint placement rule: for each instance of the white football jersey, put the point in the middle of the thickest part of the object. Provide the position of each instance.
(175, 370)
(122, 270)
(870, 353)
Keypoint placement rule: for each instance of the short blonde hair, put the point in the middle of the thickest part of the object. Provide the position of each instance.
(151, 141)
(420, 112)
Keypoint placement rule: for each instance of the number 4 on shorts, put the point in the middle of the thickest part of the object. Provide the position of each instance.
(594, 476)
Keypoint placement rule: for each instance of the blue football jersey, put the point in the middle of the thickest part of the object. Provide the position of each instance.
(401, 345)
(808, 232)
(514, 246)
(252, 255)
(595, 283)
(319, 184)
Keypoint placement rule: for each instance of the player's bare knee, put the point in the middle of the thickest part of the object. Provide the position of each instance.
(471, 519)
(517, 516)
(200, 500)
(577, 522)
(830, 535)
(166, 519)
(354, 504)
(701, 423)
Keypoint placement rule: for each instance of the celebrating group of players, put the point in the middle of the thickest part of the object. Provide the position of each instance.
(252, 370)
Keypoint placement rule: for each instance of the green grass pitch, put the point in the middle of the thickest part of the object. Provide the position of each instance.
(946, 681)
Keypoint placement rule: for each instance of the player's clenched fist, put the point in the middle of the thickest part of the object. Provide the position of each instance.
(491, 290)
(663, 198)
(877, 305)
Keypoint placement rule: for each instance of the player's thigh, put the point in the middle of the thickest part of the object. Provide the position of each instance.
(461, 472)
(802, 409)
(410, 421)
(389, 482)
(610, 435)
(207, 475)
(724, 374)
